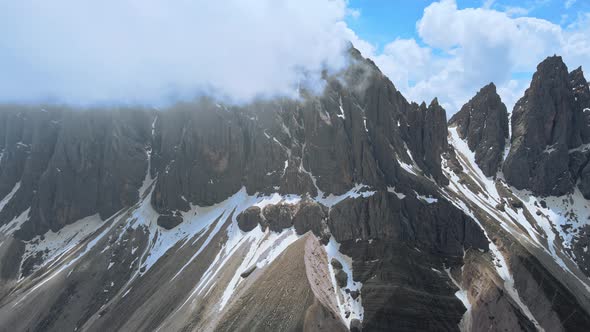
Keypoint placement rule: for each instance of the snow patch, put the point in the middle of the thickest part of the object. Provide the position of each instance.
(9, 196)
(344, 300)
(427, 199)
(359, 190)
(399, 195)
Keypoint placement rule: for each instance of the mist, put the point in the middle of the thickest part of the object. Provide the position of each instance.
(155, 52)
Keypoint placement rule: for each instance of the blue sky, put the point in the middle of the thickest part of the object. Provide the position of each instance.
(463, 44)
(380, 21)
(155, 52)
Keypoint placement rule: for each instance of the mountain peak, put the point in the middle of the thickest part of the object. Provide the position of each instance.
(551, 66)
(490, 88)
(434, 102)
(483, 121)
(545, 126)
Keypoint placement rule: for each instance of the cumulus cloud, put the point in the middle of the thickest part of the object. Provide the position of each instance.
(150, 51)
(460, 50)
(158, 51)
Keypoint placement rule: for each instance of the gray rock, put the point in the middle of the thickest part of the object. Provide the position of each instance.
(428, 137)
(279, 216)
(249, 218)
(311, 216)
(582, 99)
(248, 271)
(336, 264)
(355, 325)
(97, 165)
(169, 222)
(341, 278)
(483, 122)
(584, 184)
(543, 131)
(441, 226)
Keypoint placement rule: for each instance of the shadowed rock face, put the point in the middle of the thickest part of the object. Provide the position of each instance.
(582, 98)
(428, 137)
(545, 126)
(581, 159)
(483, 122)
(71, 164)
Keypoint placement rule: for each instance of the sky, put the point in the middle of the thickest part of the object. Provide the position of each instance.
(155, 52)
(450, 49)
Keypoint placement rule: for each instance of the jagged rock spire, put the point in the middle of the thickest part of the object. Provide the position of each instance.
(483, 121)
(543, 131)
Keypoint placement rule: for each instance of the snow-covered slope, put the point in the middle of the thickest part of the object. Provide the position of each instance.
(546, 226)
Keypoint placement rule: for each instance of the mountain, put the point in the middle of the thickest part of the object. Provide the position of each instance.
(350, 210)
(483, 122)
(546, 125)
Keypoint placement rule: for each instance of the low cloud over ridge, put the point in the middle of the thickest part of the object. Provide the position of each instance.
(155, 51)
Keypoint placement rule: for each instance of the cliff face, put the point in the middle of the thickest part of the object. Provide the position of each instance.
(193, 217)
(546, 125)
(483, 122)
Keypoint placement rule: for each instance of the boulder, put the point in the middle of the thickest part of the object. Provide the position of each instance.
(341, 278)
(249, 218)
(336, 264)
(427, 129)
(279, 216)
(169, 222)
(312, 216)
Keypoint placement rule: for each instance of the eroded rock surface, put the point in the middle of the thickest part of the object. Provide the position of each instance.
(483, 122)
(546, 125)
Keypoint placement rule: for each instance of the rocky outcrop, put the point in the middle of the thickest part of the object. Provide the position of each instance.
(581, 156)
(483, 123)
(545, 127)
(169, 222)
(278, 217)
(97, 165)
(584, 184)
(70, 164)
(312, 216)
(428, 137)
(204, 153)
(250, 218)
(438, 226)
(582, 98)
(29, 141)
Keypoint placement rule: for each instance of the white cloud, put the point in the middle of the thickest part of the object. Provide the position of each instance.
(464, 49)
(150, 50)
(353, 12)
